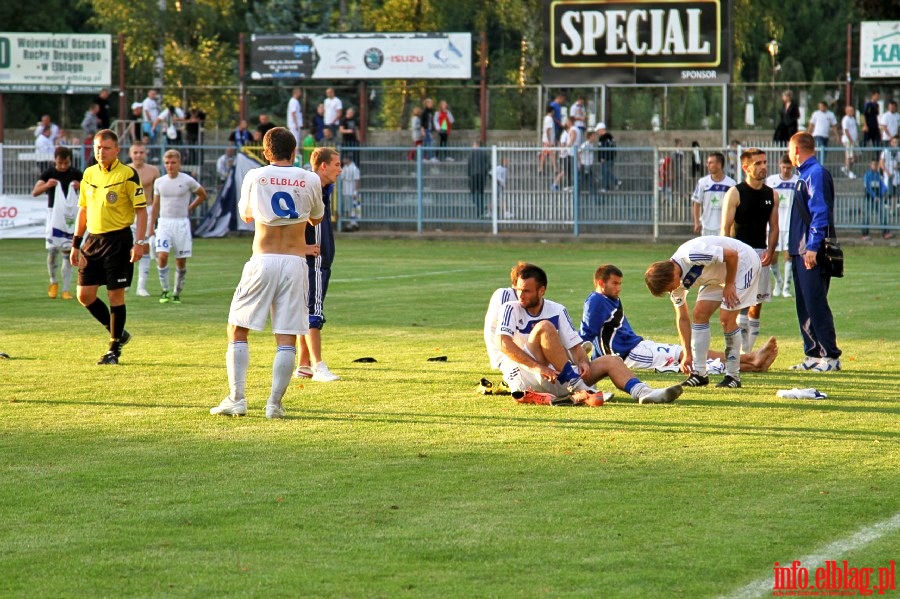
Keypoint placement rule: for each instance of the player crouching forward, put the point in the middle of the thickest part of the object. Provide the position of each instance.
(727, 272)
(605, 325)
(281, 199)
(536, 337)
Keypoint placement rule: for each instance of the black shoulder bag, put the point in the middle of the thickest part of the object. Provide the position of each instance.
(830, 256)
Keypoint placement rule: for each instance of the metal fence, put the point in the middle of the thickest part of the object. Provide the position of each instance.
(542, 191)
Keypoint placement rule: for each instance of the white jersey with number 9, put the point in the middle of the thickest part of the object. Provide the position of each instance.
(281, 195)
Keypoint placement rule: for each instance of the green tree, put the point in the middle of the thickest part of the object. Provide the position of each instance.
(194, 39)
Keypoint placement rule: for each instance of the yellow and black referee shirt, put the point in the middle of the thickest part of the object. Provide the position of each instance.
(110, 197)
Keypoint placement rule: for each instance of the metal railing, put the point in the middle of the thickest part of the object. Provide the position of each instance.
(543, 191)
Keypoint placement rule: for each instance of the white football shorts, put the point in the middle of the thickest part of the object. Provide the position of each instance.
(276, 284)
(173, 236)
(746, 283)
(520, 378)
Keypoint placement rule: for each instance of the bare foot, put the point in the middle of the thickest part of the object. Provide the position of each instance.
(766, 355)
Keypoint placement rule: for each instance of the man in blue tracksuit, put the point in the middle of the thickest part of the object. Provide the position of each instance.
(812, 216)
(326, 162)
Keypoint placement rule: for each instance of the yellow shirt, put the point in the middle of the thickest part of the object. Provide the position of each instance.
(110, 197)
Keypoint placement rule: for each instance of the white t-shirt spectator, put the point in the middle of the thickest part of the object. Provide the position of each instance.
(332, 106)
(822, 122)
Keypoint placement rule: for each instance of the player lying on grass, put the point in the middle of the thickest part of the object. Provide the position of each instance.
(537, 338)
(605, 325)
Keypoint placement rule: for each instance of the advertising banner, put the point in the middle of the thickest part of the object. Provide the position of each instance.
(361, 56)
(55, 62)
(879, 49)
(23, 217)
(626, 42)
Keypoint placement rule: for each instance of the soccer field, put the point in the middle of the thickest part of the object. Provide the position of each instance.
(399, 480)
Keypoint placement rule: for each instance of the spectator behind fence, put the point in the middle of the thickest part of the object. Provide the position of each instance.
(871, 126)
(171, 118)
(102, 100)
(696, 160)
(889, 164)
(821, 124)
(890, 123)
(787, 122)
(136, 128)
(477, 168)
(224, 164)
(443, 123)
(149, 114)
(428, 124)
(294, 115)
(548, 141)
(318, 123)
(90, 124)
(558, 124)
(850, 139)
(416, 131)
(263, 127)
(46, 122)
(876, 190)
(349, 129)
(334, 110)
(607, 155)
(350, 199)
(241, 136)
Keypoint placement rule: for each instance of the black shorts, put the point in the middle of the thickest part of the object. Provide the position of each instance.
(106, 260)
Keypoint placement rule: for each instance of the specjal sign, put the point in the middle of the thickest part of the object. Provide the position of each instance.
(591, 42)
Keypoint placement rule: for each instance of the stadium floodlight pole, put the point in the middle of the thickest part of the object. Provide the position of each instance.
(772, 46)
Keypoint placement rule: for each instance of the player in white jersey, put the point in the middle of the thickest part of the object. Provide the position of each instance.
(708, 194)
(500, 296)
(541, 350)
(784, 184)
(727, 272)
(174, 196)
(281, 199)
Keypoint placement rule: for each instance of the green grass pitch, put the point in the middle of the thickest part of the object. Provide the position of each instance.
(400, 481)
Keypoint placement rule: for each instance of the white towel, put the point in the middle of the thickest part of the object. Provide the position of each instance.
(796, 393)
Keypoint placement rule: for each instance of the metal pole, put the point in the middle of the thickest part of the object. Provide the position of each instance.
(243, 91)
(419, 198)
(483, 95)
(363, 111)
(724, 115)
(123, 101)
(656, 195)
(847, 101)
(494, 202)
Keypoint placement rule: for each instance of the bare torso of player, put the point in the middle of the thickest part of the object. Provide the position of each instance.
(285, 239)
(148, 174)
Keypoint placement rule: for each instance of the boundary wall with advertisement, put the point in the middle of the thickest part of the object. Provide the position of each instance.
(361, 56)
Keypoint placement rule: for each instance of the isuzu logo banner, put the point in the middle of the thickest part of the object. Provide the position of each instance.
(361, 56)
(591, 43)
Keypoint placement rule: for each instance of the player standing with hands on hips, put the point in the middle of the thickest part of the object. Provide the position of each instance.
(281, 199)
(111, 198)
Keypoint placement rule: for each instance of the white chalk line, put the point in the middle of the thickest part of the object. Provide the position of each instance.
(835, 550)
(409, 275)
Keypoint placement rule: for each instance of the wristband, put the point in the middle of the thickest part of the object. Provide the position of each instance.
(76, 242)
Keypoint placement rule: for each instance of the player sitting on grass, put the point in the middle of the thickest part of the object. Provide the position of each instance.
(605, 325)
(537, 339)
